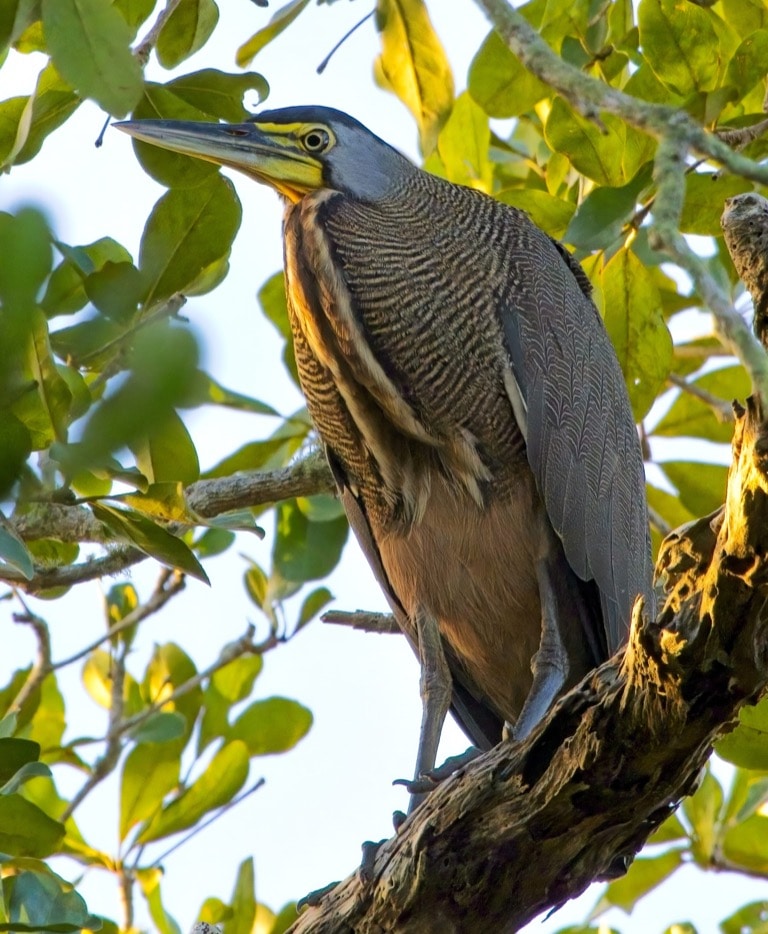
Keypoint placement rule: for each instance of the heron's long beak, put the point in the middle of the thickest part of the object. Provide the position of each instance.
(275, 160)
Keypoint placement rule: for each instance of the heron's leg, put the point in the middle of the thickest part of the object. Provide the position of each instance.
(436, 688)
(550, 663)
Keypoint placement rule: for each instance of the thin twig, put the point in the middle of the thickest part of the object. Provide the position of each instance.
(41, 666)
(207, 823)
(723, 411)
(144, 48)
(160, 596)
(740, 137)
(365, 620)
(107, 762)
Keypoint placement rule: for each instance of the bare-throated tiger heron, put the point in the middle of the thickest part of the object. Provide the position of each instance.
(472, 407)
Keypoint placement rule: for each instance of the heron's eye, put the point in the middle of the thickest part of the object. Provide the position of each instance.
(316, 140)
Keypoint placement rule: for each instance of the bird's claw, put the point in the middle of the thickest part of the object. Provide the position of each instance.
(430, 779)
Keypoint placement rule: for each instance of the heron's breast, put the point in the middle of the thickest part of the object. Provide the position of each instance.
(474, 570)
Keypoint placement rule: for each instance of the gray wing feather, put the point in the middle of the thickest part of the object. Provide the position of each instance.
(582, 443)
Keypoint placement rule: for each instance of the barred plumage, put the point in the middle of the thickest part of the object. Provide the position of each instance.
(473, 409)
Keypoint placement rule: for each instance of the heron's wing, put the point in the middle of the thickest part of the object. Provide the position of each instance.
(582, 443)
(480, 724)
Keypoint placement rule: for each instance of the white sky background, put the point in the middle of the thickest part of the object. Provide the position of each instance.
(334, 790)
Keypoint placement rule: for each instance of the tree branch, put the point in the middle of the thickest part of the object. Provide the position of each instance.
(206, 498)
(527, 826)
(678, 134)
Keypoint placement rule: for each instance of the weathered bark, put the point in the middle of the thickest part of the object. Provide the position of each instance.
(526, 827)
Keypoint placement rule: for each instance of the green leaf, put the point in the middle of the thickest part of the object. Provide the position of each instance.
(116, 290)
(268, 454)
(690, 417)
(243, 901)
(43, 901)
(14, 552)
(600, 218)
(169, 668)
(219, 94)
(97, 677)
(15, 753)
(747, 745)
(747, 66)
(188, 230)
(701, 486)
(704, 198)
(414, 66)
(26, 830)
(681, 45)
(150, 772)
(271, 726)
(213, 542)
(746, 844)
(150, 538)
(462, 145)
(637, 328)
(25, 773)
(135, 12)
(25, 245)
(644, 875)
(217, 786)
(51, 104)
(500, 83)
(149, 880)
(703, 812)
(89, 42)
(273, 303)
(749, 919)
(228, 686)
(312, 605)
(167, 453)
(161, 727)
(280, 21)
(322, 507)
(610, 156)
(66, 289)
(256, 585)
(670, 831)
(185, 31)
(207, 391)
(306, 550)
(546, 211)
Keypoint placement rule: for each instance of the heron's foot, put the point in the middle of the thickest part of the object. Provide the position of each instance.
(370, 849)
(429, 780)
(313, 899)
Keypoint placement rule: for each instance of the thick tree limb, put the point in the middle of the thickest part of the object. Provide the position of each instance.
(526, 827)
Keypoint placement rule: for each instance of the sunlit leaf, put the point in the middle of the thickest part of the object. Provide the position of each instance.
(703, 811)
(413, 64)
(643, 876)
(220, 782)
(150, 772)
(500, 83)
(634, 320)
(701, 486)
(280, 21)
(271, 726)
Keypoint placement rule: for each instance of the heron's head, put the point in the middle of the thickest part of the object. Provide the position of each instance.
(296, 150)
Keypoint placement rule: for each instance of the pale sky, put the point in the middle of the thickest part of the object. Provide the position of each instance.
(333, 791)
